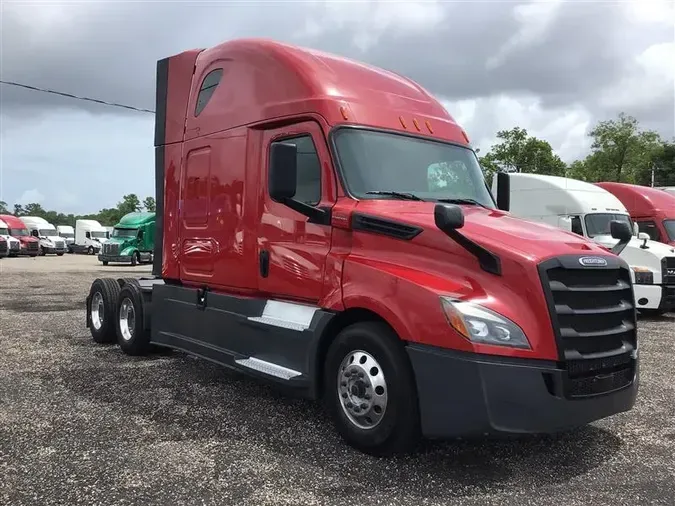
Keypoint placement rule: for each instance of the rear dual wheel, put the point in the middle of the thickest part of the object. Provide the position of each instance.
(370, 390)
(132, 336)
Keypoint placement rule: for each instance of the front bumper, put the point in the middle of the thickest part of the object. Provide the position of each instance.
(126, 259)
(52, 251)
(463, 395)
(668, 298)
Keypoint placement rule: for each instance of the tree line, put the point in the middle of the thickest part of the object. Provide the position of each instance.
(108, 217)
(621, 151)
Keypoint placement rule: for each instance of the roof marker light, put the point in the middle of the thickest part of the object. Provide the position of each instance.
(402, 121)
(466, 137)
(417, 125)
(431, 130)
(343, 111)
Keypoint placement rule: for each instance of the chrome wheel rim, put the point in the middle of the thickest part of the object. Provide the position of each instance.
(362, 389)
(127, 319)
(97, 311)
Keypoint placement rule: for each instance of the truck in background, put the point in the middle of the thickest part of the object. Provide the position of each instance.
(668, 189)
(29, 245)
(132, 240)
(109, 230)
(4, 248)
(303, 237)
(13, 245)
(653, 210)
(45, 232)
(89, 237)
(590, 209)
(68, 234)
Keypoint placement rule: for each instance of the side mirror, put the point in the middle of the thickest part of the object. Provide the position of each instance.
(503, 191)
(283, 171)
(622, 231)
(644, 238)
(448, 217)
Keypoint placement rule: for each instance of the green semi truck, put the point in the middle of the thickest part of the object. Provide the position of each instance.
(132, 240)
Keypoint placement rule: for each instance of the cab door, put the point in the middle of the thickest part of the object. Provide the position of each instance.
(292, 251)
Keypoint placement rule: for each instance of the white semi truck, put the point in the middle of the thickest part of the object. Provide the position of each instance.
(50, 242)
(13, 245)
(587, 210)
(68, 234)
(89, 237)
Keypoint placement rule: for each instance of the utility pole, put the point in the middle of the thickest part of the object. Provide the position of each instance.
(652, 174)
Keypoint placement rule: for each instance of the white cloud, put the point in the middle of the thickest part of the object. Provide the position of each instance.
(31, 196)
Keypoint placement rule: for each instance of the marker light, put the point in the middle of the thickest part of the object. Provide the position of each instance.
(480, 325)
(431, 130)
(417, 125)
(400, 118)
(343, 111)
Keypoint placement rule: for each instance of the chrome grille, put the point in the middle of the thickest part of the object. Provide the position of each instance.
(111, 248)
(15, 246)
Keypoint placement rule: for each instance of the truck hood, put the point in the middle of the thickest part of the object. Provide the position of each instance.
(496, 230)
(26, 239)
(123, 242)
(10, 239)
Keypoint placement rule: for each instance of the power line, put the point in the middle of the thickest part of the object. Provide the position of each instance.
(70, 95)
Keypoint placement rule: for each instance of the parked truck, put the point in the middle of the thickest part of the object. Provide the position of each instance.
(89, 237)
(653, 210)
(46, 234)
(305, 237)
(4, 247)
(590, 210)
(68, 234)
(132, 240)
(28, 245)
(13, 245)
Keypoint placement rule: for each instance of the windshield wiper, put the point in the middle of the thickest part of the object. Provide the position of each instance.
(400, 195)
(462, 201)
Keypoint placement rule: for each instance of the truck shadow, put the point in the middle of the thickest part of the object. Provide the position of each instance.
(187, 398)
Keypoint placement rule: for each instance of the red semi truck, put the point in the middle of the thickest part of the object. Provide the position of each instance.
(29, 245)
(651, 208)
(325, 225)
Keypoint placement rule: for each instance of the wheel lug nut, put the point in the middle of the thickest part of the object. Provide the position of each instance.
(344, 395)
(344, 383)
(356, 409)
(364, 405)
(360, 375)
(350, 405)
(367, 397)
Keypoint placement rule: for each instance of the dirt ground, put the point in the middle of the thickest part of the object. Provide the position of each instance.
(83, 424)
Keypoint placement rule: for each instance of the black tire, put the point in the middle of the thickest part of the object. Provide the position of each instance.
(105, 262)
(90, 250)
(134, 338)
(41, 251)
(59, 254)
(109, 290)
(134, 259)
(398, 431)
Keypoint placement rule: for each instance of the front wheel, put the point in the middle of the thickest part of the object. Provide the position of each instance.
(369, 389)
(90, 250)
(59, 254)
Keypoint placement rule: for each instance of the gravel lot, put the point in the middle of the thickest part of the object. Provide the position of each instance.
(84, 424)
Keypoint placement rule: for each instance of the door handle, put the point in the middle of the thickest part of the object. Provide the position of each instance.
(264, 261)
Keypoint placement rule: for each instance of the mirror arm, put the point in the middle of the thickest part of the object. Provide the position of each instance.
(487, 260)
(619, 247)
(315, 214)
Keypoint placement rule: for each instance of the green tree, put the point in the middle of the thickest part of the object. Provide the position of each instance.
(622, 152)
(34, 209)
(18, 210)
(521, 152)
(149, 204)
(3, 207)
(130, 204)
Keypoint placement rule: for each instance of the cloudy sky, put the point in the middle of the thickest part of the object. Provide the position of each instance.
(554, 68)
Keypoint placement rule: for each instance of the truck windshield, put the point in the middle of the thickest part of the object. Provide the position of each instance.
(598, 224)
(46, 232)
(124, 232)
(391, 163)
(99, 234)
(669, 225)
(67, 235)
(21, 232)
(4, 231)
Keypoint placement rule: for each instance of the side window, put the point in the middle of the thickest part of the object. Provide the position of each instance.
(649, 228)
(308, 185)
(576, 225)
(35, 233)
(88, 235)
(206, 91)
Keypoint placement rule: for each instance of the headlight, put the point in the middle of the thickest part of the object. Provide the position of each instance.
(481, 325)
(643, 276)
